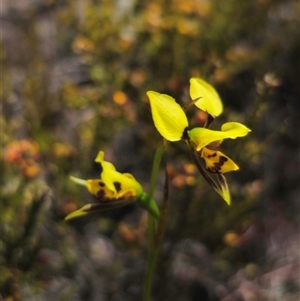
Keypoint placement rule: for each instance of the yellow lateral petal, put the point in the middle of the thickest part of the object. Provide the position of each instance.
(78, 181)
(168, 116)
(78, 213)
(201, 137)
(217, 162)
(209, 101)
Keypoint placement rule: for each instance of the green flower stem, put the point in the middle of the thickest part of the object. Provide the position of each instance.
(151, 261)
(153, 254)
(164, 213)
(152, 246)
(155, 169)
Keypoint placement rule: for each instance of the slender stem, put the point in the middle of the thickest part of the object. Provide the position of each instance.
(164, 213)
(152, 249)
(155, 169)
(151, 261)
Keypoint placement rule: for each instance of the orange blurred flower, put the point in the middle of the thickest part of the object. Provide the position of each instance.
(25, 155)
(120, 98)
(83, 44)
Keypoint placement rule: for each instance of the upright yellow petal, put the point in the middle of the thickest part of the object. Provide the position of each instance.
(202, 137)
(168, 116)
(209, 100)
(105, 164)
(108, 172)
(100, 157)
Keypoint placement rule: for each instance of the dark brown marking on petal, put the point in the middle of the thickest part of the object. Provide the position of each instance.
(223, 159)
(117, 186)
(101, 196)
(214, 169)
(218, 165)
(101, 184)
(212, 156)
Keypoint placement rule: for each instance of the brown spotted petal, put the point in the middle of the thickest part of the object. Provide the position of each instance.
(219, 185)
(217, 162)
(98, 188)
(115, 181)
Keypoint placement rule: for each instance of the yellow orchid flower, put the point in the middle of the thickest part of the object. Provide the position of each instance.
(171, 122)
(113, 189)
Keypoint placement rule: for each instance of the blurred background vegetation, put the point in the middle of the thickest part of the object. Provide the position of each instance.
(74, 77)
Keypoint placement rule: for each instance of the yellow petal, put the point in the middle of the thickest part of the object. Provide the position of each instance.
(78, 213)
(220, 186)
(217, 162)
(115, 181)
(209, 100)
(202, 137)
(109, 174)
(78, 181)
(224, 192)
(168, 116)
(126, 194)
(100, 159)
(98, 188)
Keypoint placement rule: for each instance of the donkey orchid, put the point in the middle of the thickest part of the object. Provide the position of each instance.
(171, 122)
(113, 189)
